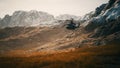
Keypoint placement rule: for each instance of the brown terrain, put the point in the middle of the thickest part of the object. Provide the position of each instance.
(36, 47)
(34, 39)
(96, 45)
(85, 57)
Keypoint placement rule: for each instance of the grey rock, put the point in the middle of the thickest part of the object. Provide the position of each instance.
(25, 18)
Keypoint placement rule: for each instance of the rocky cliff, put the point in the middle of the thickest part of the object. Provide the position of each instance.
(25, 18)
(104, 26)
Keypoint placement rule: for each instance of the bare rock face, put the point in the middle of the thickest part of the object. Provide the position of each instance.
(109, 5)
(110, 13)
(5, 21)
(105, 24)
(89, 16)
(25, 18)
(107, 29)
(99, 9)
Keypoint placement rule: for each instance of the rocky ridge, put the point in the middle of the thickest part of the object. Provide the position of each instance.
(105, 23)
(25, 18)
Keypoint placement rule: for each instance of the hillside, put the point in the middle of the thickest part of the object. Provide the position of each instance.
(38, 40)
(32, 39)
(86, 57)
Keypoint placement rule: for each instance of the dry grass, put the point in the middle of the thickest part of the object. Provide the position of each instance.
(86, 57)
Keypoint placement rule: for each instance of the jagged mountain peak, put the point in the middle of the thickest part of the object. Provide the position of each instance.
(25, 18)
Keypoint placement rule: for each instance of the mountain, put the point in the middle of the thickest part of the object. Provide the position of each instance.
(109, 12)
(25, 18)
(67, 17)
(34, 18)
(96, 27)
(104, 26)
(69, 44)
(5, 21)
(87, 17)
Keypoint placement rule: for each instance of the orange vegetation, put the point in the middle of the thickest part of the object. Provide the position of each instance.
(86, 57)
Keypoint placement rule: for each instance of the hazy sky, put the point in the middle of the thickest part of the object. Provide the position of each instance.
(55, 7)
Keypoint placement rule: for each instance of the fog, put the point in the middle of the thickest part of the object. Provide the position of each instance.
(55, 7)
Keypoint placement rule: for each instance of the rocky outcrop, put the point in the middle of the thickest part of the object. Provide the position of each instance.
(110, 4)
(89, 16)
(109, 14)
(71, 25)
(104, 26)
(107, 29)
(99, 10)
